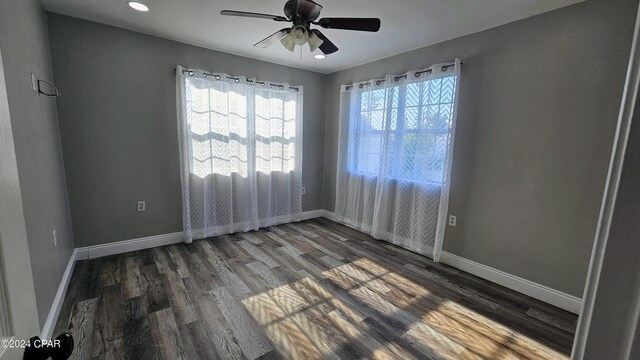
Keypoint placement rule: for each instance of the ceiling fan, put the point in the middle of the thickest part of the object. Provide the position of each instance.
(302, 14)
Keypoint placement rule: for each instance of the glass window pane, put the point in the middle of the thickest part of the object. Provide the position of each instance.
(377, 120)
(448, 86)
(378, 99)
(413, 94)
(364, 101)
(433, 91)
(411, 118)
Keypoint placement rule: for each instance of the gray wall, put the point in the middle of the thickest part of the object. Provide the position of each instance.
(118, 125)
(25, 50)
(539, 100)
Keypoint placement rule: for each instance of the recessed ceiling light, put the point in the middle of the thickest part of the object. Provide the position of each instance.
(138, 6)
(319, 56)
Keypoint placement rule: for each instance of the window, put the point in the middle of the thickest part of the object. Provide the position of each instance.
(403, 131)
(240, 128)
(275, 119)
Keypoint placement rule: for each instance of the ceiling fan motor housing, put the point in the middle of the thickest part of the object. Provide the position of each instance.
(290, 8)
(302, 15)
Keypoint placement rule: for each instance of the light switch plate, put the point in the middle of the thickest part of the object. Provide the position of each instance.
(34, 82)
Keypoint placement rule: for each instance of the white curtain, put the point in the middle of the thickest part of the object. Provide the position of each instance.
(240, 152)
(395, 154)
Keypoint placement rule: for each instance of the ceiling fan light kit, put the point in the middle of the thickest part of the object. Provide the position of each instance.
(302, 14)
(288, 43)
(314, 42)
(299, 35)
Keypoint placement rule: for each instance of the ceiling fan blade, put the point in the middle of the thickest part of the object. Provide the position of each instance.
(253, 15)
(361, 24)
(327, 47)
(308, 9)
(275, 37)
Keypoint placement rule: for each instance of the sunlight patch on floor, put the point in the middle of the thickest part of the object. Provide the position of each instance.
(304, 320)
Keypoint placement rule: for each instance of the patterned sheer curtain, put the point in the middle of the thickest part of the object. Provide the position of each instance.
(240, 153)
(395, 155)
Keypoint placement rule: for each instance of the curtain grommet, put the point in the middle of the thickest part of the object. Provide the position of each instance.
(217, 77)
(191, 72)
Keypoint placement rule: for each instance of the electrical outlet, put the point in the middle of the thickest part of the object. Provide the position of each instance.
(452, 220)
(55, 239)
(142, 206)
(303, 190)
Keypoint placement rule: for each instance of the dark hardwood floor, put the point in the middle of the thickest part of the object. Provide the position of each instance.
(314, 289)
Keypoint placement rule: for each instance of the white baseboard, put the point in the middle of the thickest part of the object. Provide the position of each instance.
(543, 293)
(329, 215)
(248, 225)
(312, 214)
(524, 286)
(58, 300)
(119, 247)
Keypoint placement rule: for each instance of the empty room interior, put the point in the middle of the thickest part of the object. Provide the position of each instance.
(298, 179)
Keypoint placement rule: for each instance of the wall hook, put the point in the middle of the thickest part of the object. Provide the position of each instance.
(56, 93)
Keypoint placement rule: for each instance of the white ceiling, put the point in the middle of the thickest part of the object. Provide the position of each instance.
(406, 24)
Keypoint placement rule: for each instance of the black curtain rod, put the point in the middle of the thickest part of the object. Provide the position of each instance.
(237, 80)
(417, 74)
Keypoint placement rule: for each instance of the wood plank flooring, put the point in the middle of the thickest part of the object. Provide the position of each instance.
(309, 290)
